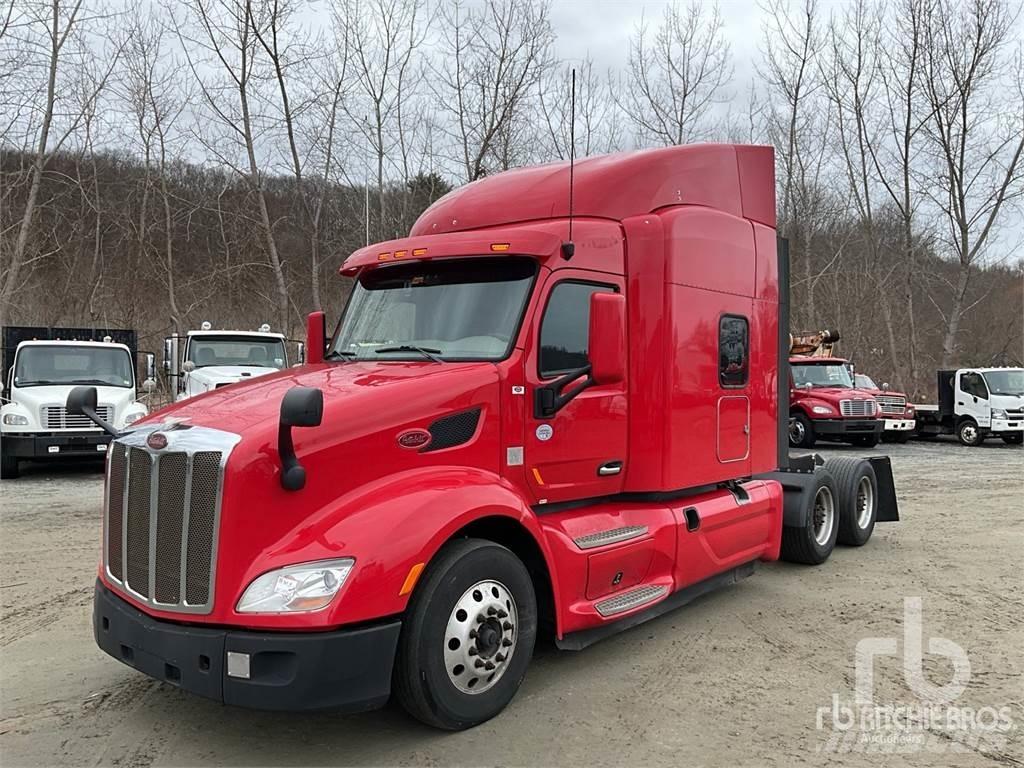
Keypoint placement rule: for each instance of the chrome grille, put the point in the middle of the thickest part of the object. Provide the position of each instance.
(891, 405)
(162, 515)
(856, 407)
(57, 417)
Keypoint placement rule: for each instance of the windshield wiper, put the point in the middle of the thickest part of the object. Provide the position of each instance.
(429, 352)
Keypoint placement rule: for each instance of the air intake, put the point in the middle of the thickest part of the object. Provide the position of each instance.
(450, 431)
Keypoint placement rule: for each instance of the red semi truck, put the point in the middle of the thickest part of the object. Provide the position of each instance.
(517, 426)
(824, 400)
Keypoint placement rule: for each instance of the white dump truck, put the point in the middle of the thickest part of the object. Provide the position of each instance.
(207, 359)
(975, 403)
(40, 368)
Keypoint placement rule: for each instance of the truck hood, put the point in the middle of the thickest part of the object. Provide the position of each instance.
(354, 454)
(31, 400)
(354, 392)
(835, 394)
(1007, 402)
(228, 374)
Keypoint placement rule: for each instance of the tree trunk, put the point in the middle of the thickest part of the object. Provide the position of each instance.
(955, 313)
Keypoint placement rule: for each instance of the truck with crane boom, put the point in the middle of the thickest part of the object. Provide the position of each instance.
(530, 418)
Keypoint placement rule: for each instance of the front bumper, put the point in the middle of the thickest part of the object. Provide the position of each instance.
(345, 670)
(42, 445)
(1007, 425)
(848, 427)
(899, 425)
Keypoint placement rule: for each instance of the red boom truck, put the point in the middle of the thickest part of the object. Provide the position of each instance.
(512, 429)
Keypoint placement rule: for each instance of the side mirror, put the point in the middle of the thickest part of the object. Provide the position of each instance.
(149, 385)
(300, 407)
(607, 344)
(316, 337)
(82, 402)
(885, 386)
(188, 366)
(168, 354)
(150, 366)
(301, 353)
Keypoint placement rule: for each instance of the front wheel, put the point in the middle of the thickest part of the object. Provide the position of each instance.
(801, 431)
(969, 433)
(1015, 439)
(469, 636)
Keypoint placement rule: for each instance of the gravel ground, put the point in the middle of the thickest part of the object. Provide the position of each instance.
(736, 678)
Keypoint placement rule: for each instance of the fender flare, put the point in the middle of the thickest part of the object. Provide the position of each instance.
(393, 525)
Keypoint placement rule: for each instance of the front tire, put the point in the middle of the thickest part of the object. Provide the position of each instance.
(801, 431)
(969, 433)
(813, 542)
(472, 624)
(8, 466)
(1015, 439)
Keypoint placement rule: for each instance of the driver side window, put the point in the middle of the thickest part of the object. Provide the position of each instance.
(973, 384)
(565, 329)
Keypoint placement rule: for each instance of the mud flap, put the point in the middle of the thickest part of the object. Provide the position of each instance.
(888, 509)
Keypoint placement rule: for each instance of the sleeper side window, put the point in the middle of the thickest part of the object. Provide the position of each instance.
(565, 329)
(733, 351)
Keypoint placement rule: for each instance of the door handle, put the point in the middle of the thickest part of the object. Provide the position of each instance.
(611, 468)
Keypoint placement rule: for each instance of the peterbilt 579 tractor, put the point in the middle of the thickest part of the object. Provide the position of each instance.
(529, 418)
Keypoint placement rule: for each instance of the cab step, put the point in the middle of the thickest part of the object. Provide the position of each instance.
(612, 536)
(633, 598)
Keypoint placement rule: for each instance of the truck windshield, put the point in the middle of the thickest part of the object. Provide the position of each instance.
(1009, 382)
(865, 382)
(236, 350)
(822, 375)
(458, 309)
(40, 365)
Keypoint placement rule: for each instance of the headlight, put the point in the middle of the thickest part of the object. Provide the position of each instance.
(15, 420)
(305, 587)
(998, 413)
(909, 412)
(131, 418)
(822, 409)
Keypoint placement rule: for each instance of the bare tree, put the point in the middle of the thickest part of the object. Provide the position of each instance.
(382, 37)
(489, 61)
(598, 129)
(223, 32)
(676, 81)
(55, 28)
(799, 121)
(976, 132)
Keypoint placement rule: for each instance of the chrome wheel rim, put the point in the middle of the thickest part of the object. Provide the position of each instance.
(865, 502)
(796, 432)
(824, 515)
(481, 637)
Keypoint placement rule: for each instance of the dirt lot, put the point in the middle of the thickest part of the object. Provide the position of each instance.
(737, 678)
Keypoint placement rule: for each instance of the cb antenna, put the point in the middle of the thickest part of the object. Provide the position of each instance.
(569, 248)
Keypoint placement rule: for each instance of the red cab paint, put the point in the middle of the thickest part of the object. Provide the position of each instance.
(611, 427)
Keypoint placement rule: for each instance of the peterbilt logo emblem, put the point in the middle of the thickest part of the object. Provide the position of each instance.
(157, 441)
(414, 438)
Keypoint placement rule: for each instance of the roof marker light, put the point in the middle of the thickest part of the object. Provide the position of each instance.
(498, 247)
(419, 251)
(400, 254)
(383, 256)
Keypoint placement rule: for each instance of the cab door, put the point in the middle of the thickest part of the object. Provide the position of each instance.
(972, 397)
(580, 451)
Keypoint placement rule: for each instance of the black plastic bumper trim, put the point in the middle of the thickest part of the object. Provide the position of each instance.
(344, 670)
(36, 446)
